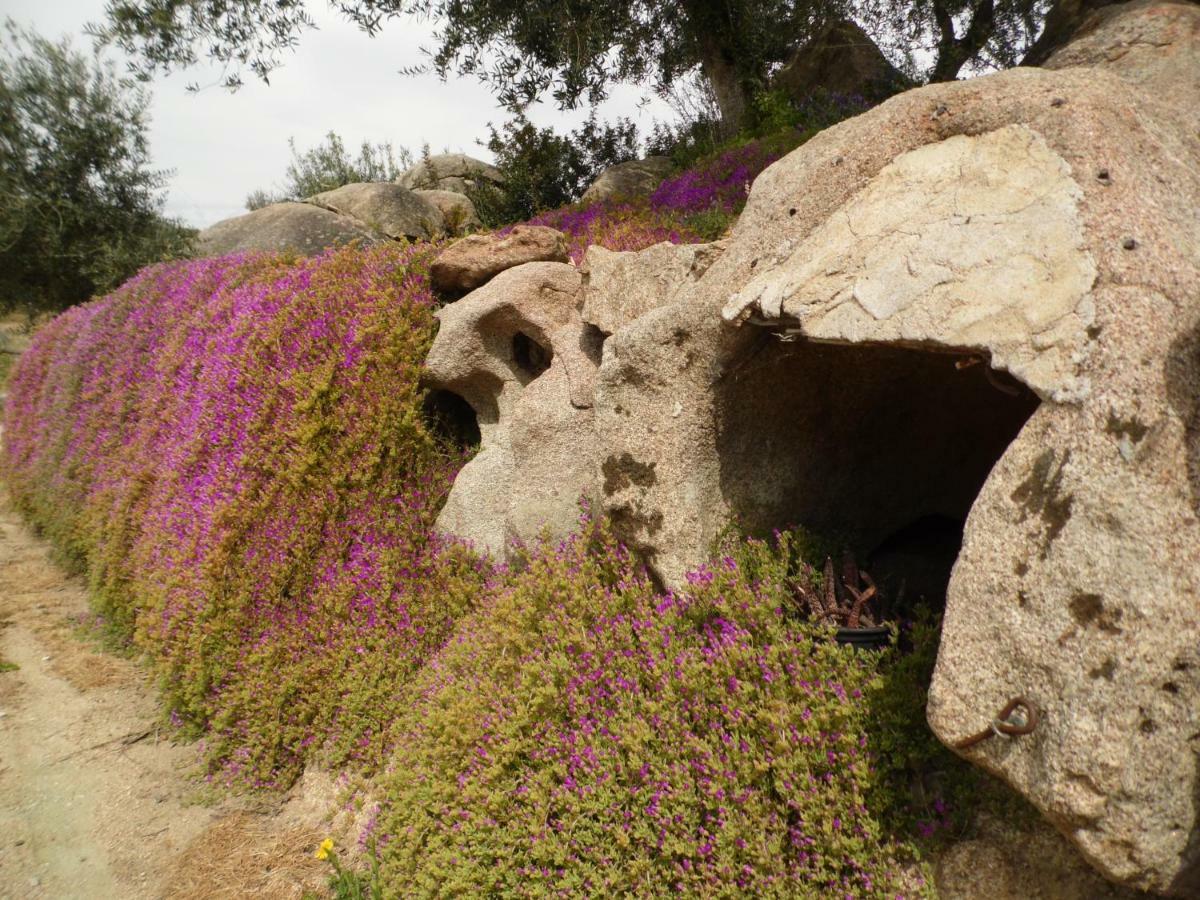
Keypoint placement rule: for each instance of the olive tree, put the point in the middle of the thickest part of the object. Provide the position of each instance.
(574, 50)
(80, 207)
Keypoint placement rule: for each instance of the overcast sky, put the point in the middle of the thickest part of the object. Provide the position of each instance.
(221, 146)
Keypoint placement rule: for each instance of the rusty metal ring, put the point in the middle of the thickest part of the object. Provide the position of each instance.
(1000, 724)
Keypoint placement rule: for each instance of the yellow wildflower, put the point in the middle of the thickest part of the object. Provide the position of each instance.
(323, 850)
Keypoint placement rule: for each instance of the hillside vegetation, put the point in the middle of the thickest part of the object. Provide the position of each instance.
(234, 450)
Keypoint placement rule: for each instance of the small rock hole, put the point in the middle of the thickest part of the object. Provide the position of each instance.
(1105, 670)
(531, 357)
(792, 211)
(452, 419)
(1104, 177)
(591, 342)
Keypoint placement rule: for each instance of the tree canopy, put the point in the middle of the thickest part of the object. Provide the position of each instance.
(81, 209)
(574, 50)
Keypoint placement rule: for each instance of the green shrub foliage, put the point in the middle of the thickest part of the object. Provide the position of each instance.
(544, 170)
(329, 165)
(582, 734)
(80, 209)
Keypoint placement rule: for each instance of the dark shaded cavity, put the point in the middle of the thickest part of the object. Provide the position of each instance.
(591, 342)
(1182, 371)
(452, 419)
(530, 357)
(881, 448)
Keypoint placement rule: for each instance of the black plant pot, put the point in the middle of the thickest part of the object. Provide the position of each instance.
(864, 638)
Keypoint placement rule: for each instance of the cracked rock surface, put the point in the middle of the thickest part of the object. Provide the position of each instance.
(971, 242)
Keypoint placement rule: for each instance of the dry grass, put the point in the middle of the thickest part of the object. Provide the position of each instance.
(243, 856)
(48, 599)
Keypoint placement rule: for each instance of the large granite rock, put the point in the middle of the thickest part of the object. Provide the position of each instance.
(385, 208)
(517, 352)
(457, 210)
(451, 172)
(297, 227)
(1149, 43)
(970, 316)
(635, 178)
(477, 258)
(975, 306)
(968, 242)
(620, 286)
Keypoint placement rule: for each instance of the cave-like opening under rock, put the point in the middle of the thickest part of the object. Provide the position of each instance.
(879, 448)
(452, 418)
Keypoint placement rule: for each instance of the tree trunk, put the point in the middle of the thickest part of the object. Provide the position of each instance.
(729, 90)
(954, 52)
(1062, 23)
(713, 26)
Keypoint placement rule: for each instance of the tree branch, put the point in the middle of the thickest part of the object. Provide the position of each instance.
(953, 52)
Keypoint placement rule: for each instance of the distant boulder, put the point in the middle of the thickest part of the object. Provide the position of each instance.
(450, 172)
(457, 209)
(841, 59)
(390, 209)
(298, 227)
(475, 260)
(636, 178)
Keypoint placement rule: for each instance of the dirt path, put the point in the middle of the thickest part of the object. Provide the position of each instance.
(95, 802)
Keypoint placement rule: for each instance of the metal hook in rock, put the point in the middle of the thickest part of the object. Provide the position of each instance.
(1018, 717)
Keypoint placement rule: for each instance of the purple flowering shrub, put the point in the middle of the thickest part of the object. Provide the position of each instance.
(616, 225)
(234, 449)
(689, 208)
(581, 734)
(722, 183)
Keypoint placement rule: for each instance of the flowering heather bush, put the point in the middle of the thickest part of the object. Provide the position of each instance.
(616, 225)
(582, 735)
(690, 208)
(723, 183)
(234, 449)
